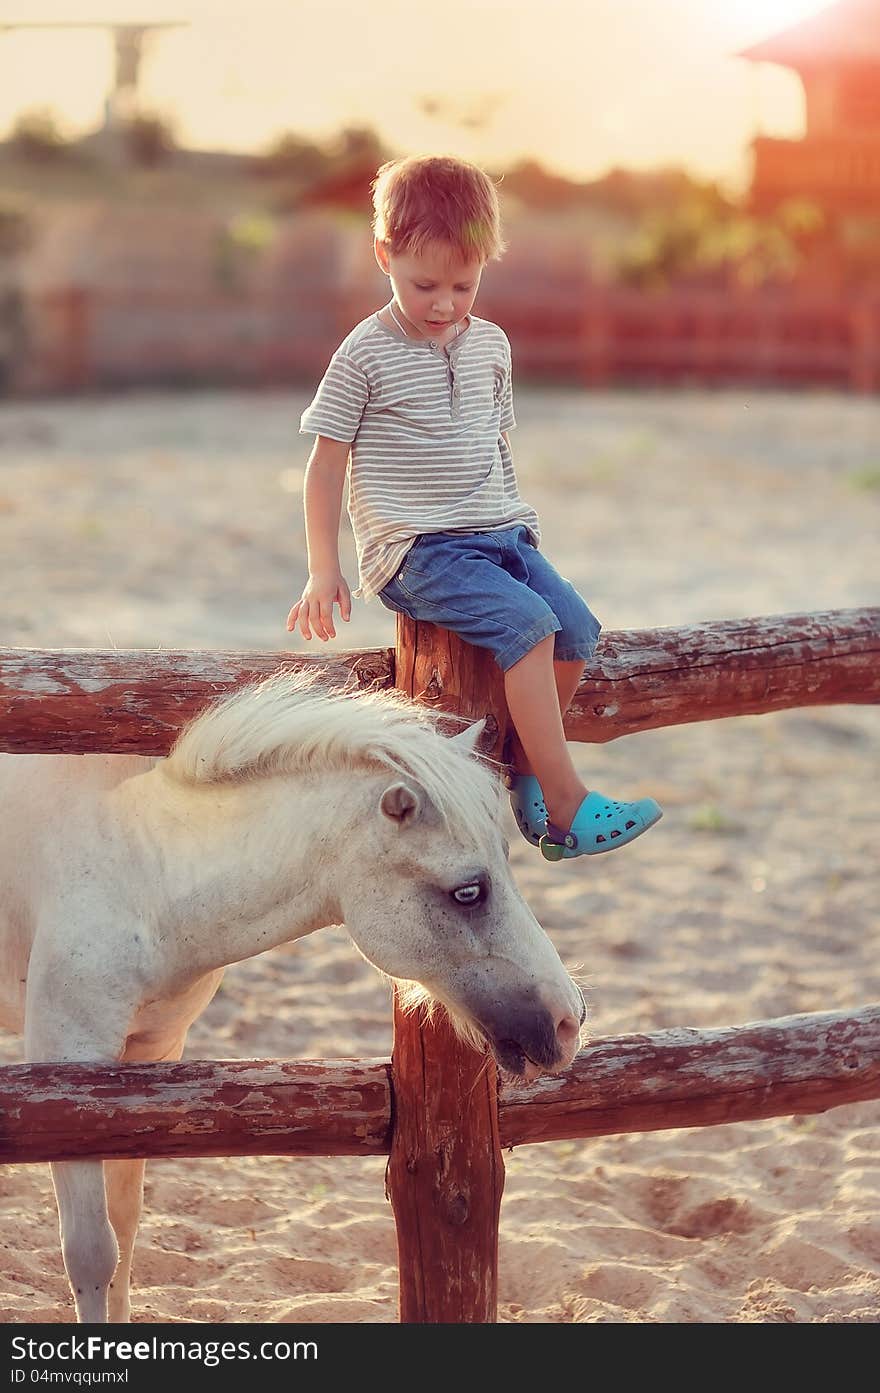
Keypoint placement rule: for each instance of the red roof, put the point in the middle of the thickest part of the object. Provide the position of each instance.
(845, 33)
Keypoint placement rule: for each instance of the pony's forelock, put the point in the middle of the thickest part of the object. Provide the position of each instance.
(297, 721)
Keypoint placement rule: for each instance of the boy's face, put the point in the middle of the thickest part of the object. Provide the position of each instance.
(434, 288)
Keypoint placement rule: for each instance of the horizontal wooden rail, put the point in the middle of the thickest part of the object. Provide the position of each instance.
(331, 1107)
(629, 1083)
(134, 702)
(698, 1078)
(128, 701)
(648, 678)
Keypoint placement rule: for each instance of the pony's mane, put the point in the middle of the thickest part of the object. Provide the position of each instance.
(297, 721)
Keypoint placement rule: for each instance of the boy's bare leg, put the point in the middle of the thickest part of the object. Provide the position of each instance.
(567, 676)
(534, 688)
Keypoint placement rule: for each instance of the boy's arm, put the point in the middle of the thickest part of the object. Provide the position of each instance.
(322, 501)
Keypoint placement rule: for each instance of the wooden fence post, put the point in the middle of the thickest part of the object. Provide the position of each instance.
(446, 1172)
(73, 359)
(864, 366)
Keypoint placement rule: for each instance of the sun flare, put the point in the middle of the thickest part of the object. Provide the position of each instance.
(767, 17)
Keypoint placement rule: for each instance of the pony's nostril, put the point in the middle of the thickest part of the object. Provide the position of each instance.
(568, 1031)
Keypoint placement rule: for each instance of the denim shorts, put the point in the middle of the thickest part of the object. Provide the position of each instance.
(495, 590)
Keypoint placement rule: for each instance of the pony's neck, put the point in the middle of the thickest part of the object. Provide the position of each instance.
(235, 869)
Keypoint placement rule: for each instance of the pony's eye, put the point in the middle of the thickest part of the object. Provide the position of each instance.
(468, 894)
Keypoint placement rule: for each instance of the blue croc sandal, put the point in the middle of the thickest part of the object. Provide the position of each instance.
(527, 804)
(600, 824)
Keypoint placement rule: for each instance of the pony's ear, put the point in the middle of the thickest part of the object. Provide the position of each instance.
(401, 803)
(469, 738)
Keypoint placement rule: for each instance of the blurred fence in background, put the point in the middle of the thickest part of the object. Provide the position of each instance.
(80, 339)
(121, 297)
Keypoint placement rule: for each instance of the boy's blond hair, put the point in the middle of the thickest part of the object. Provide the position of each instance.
(426, 199)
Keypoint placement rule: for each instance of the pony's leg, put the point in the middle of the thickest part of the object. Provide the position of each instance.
(65, 1024)
(87, 1238)
(125, 1198)
(567, 677)
(84, 1013)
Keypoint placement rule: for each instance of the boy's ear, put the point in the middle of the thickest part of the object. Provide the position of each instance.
(381, 253)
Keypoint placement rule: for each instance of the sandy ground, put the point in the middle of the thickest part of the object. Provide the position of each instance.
(167, 521)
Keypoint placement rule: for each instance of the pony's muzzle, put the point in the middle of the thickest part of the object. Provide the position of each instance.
(532, 1039)
(568, 1033)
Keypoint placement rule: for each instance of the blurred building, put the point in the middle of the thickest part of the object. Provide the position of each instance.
(836, 54)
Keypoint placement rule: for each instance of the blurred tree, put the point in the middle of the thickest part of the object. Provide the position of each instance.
(336, 174)
(533, 185)
(638, 193)
(352, 159)
(358, 145)
(633, 194)
(240, 244)
(707, 241)
(16, 227)
(37, 136)
(16, 235)
(294, 158)
(148, 139)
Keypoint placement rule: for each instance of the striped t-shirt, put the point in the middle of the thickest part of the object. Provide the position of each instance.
(425, 423)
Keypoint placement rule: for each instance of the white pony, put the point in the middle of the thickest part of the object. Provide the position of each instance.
(129, 883)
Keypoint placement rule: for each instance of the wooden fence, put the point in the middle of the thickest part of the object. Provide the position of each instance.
(80, 339)
(435, 1108)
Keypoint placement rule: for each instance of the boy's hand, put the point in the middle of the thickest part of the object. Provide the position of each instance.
(314, 611)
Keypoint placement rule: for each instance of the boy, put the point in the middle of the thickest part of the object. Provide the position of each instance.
(420, 396)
